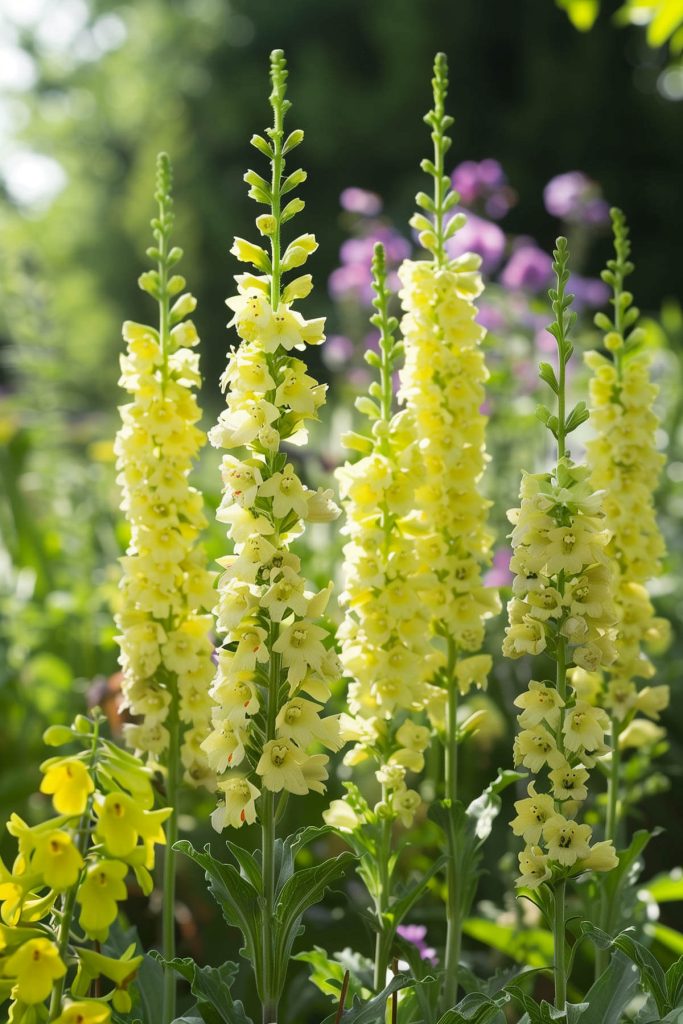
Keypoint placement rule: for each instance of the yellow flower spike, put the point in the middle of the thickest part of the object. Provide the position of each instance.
(57, 859)
(99, 894)
(85, 1011)
(34, 967)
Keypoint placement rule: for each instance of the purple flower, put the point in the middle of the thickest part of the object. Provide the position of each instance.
(499, 574)
(480, 236)
(351, 281)
(337, 351)
(465, 179)
(588, 292)
(358, 200)
(416, 934)
(528, 269)
(490, 317)
(575, 197)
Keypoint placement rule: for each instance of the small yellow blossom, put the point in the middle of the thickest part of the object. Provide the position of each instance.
(34, 967)
(69, 783)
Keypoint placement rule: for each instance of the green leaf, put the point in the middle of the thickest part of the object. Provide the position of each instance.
(667, 937)
(626, 873)
(674, 983)
(612, 992)
(288, 848)
(652, 976)
(666, 888)
(327, 973)
(237, 898)
(211, 988)
(547, 374)
(577, 416)
(485, 808)
(305, 888)
(475, 1008)
(371, 1012)
(533, 946)
(248, 865)
(400, 907)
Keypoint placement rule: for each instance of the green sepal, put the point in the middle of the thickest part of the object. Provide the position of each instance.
(547, 374)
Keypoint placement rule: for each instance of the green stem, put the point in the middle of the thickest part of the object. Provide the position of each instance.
(385, 931)
(69, 903)
(611, 830)
(270, 996)
(169, 890)
(453, 895)
(169, 991)
(559, 929)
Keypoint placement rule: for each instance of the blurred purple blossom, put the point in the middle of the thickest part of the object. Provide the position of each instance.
(499, 574)
(480, 236)
(528, 269)
(483, 182)
(353, 279)
(416, 935)
(588, 292)
(575, 197)
(338, 351)
(490, 317)
(358, 200)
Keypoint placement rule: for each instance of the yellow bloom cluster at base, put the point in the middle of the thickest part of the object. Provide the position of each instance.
(105, 828)
(442, 384)
(165, 642)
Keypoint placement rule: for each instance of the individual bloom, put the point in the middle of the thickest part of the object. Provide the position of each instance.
(300, 647)
(601, 857)
(314, 770)
(286, 593)
(239, 803)
(99, 894)
(287, 492)
(569, 783)
(532, 814)
(122, 970)
(405, 803)
(536, 747)
(85, 1011)
(416, 934)
(539, 703)
(69, 783)
(414, 737)
(473, 671)
(119, 823)
(566, 840)
(280, 767)
(56, 858)
(584, 727)
(225, 744)
(527, 637)
(299, 720)
(533, 866)
(640, 733)
(34, 967)
(653, 699)
(341, 815)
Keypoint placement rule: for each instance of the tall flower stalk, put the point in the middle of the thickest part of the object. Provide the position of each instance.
(164, 640)
(276, 664)
(625, 464)
(562, 607)
(442, 384)
(386, 649)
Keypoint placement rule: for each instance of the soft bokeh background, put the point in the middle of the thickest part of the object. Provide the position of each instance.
(90, 90)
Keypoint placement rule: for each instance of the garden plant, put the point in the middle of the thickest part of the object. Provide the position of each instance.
(333, 701)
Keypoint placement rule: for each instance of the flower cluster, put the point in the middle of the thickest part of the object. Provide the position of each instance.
(442, 384)
(274, 667)
(386, 648)
(563, 605)
(625, 464)
(104, 828)
(165, 643)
